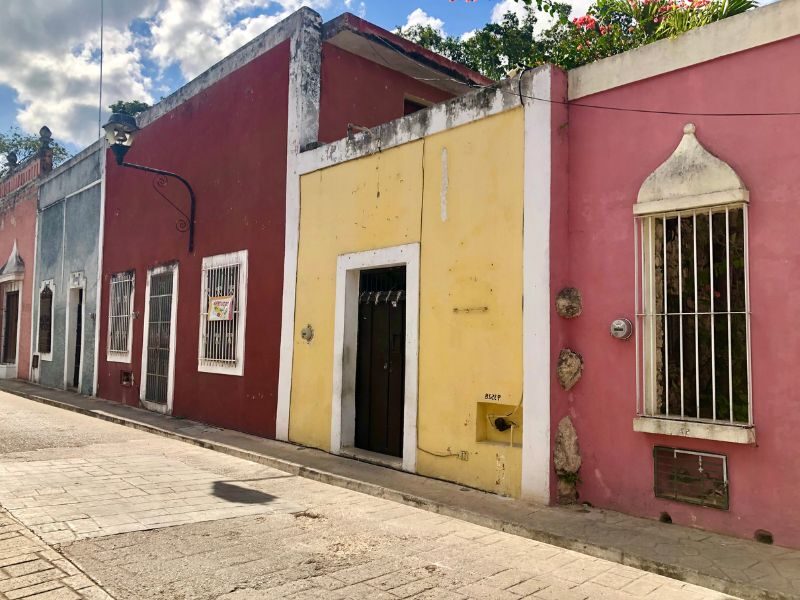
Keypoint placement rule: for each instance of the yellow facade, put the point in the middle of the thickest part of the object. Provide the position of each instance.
(459, 194)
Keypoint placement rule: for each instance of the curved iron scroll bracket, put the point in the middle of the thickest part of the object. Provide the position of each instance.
(160, 181)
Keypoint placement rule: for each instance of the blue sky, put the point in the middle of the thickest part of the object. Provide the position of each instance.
(49, 72)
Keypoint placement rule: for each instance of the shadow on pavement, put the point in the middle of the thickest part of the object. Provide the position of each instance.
(243, 495)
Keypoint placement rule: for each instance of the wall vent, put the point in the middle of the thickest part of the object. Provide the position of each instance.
(693, 477)
(126, 378)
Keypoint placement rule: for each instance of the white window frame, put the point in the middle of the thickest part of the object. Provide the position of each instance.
(648, 420)
(48, 356)
(205, 365)
(114, 355)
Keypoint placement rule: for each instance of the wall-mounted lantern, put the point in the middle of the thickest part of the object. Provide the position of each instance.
(120, 133)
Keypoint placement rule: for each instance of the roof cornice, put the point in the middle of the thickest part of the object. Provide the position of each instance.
(748, 30)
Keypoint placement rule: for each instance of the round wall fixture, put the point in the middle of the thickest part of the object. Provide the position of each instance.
(621, 329)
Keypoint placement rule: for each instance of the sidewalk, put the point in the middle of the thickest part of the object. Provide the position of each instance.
(733, 566)
(29, 567)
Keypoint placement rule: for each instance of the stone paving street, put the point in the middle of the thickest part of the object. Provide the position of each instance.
(29, 568)
(138, 516)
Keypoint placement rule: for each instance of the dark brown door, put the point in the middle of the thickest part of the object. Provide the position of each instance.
(380, 366)
(10, 339)
(76, 372)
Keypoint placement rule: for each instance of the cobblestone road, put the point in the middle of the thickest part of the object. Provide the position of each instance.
(143, 517)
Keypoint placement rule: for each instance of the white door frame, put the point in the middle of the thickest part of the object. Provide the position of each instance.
(77, 282)
(154, 406)
(10, 370)
(345, 343)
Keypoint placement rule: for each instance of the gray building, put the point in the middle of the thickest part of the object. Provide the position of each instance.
(65, 282)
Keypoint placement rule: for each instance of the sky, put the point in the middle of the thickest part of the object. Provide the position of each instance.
(50, 49)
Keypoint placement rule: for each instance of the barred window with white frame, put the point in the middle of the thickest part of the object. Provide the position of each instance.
(222, 313)
(695, 318)
(120, 313)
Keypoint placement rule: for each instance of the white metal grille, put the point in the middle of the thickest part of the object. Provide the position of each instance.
(219, 331)
(119, 313)
(693, 313)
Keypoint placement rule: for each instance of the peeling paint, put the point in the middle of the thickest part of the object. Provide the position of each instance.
(445, 185)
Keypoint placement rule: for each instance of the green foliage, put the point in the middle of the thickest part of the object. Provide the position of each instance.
(25, 145)
(608, 28)
(569, 478)
(131, 107)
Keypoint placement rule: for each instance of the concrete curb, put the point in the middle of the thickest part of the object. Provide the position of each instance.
(609, 553)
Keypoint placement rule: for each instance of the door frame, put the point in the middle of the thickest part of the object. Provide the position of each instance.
(77, 281)
(10, 369)
(345, 344)
(154, 406)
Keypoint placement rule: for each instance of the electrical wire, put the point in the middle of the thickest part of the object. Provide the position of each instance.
(569, 104)
(438, 454)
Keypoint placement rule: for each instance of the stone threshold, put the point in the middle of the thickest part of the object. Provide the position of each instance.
(730, 565)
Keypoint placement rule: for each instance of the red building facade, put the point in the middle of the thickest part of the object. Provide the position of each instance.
(198, 334)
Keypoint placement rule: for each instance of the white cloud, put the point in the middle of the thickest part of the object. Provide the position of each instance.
(544, 20)
(49, 51)
(49, 55)
(362, 7)
(195, 34)
(507, 6)
(468, 35)
(419, 17)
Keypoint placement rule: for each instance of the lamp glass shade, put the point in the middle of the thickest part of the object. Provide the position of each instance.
(120, 129)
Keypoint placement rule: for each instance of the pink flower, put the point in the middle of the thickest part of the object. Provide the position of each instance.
(585, 22)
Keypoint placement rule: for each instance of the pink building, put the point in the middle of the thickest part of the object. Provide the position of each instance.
(19, 194)
(693, 418)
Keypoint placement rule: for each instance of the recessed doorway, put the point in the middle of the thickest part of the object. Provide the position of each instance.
(376, 352)
(74, 342)
(158, 347)
(380, 361)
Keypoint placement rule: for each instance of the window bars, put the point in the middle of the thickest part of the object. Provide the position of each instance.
(693, 314)
(45, 341)
(119, 313)
(220, 315)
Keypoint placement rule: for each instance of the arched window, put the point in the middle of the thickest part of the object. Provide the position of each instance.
(46, 319)
(692, 300)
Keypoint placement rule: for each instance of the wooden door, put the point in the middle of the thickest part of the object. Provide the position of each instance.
(380, 371)
(10, 326)
(76, 371)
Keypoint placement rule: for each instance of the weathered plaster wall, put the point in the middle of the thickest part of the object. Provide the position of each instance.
(362, 92)
(611, 154)
(459, 194)
(18, 222)
(229, 141)
(65, 248)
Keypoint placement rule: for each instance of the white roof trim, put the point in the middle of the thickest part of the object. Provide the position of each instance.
(754, 28)
(691, 177)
